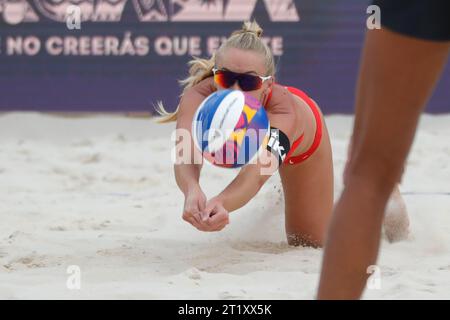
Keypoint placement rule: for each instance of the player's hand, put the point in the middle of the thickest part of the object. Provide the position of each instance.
(214, 217)
(194, 204)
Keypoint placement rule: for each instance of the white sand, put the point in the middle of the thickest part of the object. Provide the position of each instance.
(99, 193)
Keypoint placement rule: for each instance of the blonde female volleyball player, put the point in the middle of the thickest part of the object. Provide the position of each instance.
(244, 62)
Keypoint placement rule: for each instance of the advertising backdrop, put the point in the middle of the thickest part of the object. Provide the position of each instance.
(128, 54)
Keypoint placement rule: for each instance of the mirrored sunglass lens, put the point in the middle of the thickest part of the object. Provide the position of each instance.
(248, 82)
(224, 79)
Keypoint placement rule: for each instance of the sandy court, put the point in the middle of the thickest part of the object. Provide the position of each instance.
(99, 192)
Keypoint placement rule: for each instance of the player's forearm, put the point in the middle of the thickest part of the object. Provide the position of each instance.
(240, 191)
(187, 176)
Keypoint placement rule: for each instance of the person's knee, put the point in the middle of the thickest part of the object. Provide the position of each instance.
(379, 172)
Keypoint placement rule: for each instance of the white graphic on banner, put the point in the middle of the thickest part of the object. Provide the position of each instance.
(126, 45)
(73, 12)
(15, 12)
(194, 10)
(109, 10)
(231, 10)
(151, 10)
(57, 9)
(100, 10)
(19, 11)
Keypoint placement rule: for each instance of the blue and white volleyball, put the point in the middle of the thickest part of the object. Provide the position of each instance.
(230, 128)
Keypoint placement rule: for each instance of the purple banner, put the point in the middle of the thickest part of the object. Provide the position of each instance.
(124, 55)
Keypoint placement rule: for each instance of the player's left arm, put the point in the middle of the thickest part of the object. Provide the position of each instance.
(253, 175)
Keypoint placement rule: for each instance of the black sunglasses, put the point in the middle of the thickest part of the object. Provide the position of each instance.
(247, 82)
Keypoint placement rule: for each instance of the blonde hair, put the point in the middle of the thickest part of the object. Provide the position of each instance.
(248, 38)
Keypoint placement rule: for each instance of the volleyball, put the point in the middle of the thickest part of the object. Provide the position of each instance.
(229, 128)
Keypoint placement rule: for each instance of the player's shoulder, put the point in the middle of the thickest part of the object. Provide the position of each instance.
(296, 96)
(193, 96)
(281, 101)
(205, 87)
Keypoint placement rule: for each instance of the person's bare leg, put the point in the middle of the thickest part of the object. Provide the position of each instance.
(396, 220)
(397, 76)
(308, 195)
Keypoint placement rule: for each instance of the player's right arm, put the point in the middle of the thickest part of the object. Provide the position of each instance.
(188, 158)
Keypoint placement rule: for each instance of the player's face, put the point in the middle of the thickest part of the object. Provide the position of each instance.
(248, 67)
